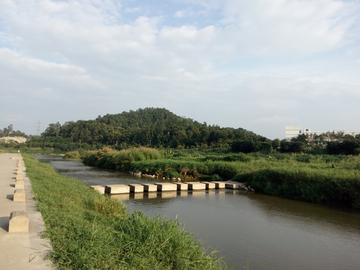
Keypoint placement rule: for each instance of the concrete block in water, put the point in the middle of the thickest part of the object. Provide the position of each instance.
(19, 184)
(117, 189)
(196, 186)
(166, 187)
(219, 184)
(182, 186)
(19, 195)
(209, 185)
(19, 222)
(99, 189)
(232, 185)
(136, 188)
(150, 187)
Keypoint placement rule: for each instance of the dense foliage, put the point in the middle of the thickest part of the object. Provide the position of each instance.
(10, 132)
(150, 127)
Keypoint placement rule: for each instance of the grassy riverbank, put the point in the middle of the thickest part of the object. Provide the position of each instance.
(333, 179)
(91, 231)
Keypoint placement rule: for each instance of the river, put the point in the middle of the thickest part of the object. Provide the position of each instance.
(248, 229)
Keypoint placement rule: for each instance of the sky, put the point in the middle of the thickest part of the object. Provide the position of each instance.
(258, 65)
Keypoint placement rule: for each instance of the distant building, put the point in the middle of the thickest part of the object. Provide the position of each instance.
(294, 131)
(346, 132)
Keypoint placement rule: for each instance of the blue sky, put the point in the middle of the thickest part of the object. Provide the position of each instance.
(258, 65)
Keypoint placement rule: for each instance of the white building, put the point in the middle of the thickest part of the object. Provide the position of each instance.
(318, 132)
(294, 131)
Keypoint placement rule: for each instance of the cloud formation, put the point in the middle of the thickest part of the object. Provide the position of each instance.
(258, 65)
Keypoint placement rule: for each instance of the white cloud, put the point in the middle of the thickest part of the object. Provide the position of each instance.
(283, 27)
(262, 60)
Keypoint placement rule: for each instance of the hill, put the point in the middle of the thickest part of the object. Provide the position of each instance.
(151, 127)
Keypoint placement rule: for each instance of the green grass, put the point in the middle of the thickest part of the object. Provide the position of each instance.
(88, 230)
(333, 179)
(29, 150)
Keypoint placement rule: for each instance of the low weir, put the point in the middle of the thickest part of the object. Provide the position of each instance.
(167, 187)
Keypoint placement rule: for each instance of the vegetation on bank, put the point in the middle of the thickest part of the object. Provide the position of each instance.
(88, 230)
(331, 179)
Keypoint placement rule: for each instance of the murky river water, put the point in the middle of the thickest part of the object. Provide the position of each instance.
(260, 231)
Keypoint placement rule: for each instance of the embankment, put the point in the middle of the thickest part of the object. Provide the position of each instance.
(91, 231)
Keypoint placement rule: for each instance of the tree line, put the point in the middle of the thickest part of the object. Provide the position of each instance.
(150, 127)
(10, 132)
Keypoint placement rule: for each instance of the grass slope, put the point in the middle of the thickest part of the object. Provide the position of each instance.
(91, 231)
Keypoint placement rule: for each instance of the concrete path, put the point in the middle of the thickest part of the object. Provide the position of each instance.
(20, 250)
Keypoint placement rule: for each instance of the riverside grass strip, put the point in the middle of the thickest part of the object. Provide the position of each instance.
(337, 187)
(91, 231)
(333, 179)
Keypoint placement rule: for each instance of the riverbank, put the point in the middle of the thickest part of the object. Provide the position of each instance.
(20, 250)
(91, 231)
(329, 179)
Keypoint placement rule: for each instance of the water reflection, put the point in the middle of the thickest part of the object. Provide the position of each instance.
(263, 231)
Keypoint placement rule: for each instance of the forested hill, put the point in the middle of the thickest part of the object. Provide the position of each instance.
(152, 127)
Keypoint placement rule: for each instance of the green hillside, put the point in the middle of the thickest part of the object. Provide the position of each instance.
(151, 127)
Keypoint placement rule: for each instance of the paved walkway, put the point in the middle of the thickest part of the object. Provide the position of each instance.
(20, 250)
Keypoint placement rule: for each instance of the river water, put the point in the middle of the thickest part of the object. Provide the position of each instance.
(248, 229)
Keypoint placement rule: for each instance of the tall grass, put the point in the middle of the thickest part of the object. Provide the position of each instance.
(119, 160)
(335, 186)
(308, 177)
(90, 231)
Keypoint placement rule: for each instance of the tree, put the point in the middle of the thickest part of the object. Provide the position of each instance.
(275, 143)
(10, 129)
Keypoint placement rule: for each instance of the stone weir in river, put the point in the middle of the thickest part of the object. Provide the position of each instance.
(122, 189)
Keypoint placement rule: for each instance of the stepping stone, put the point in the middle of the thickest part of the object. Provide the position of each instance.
(232, 185)
(99, 189)
(219, 184)
(136, 188)
(209, 185)
(196, 186)
(166, 187)
(117, 189)
(19, 195)
(182, 186)
(19, 222)
(150, 187)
